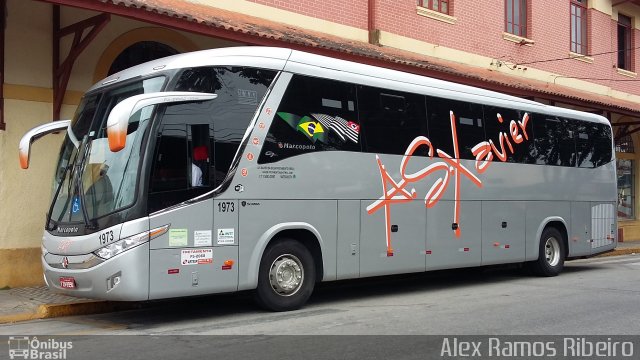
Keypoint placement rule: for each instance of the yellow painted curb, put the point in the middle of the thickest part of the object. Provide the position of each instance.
(46, 311)
(7, 319)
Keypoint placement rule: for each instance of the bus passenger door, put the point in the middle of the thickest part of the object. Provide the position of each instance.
(194, 256)
(405, 252)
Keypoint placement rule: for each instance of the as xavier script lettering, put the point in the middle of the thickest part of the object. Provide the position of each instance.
(449, 167)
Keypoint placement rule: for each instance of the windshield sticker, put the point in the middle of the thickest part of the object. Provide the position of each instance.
(196, 256)
(178, 237)
(318, 126)
(76, 204)
(449, 167)
(226, 236)
(276, 172)
(202, 238)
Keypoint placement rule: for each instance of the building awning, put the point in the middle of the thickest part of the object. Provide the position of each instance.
(216, 22)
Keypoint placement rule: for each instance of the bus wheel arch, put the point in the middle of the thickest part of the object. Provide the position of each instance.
(552, 249)
(287, 252)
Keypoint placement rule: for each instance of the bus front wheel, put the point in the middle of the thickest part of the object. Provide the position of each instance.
(551, 254)
(286, 277)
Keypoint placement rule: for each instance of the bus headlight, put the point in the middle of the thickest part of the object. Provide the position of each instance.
(120, 246)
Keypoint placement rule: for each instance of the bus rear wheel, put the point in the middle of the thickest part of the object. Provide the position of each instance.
(551, 254)
(286, 277)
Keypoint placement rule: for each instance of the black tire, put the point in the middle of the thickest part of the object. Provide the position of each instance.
(285, 293)
(551, 254)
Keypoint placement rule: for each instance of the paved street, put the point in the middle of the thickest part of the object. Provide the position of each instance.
(594, 296)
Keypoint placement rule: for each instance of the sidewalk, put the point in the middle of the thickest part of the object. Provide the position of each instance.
(625, 248)
(21, 304)
(37, 302)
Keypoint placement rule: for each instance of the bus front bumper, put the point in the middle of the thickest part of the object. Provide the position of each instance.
(124, 277)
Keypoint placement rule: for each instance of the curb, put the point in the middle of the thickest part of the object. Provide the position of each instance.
(47, 311)
(8, 319)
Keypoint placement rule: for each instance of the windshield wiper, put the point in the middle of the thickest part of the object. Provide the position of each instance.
(66, 173)
(80, 163)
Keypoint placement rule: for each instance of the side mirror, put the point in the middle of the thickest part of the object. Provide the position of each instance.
(118, 120)
(36, 133)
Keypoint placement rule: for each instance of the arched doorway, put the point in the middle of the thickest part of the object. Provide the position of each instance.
(169, 41)
(139, 53)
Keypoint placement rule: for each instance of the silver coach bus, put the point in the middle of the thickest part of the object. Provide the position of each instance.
(268, 169)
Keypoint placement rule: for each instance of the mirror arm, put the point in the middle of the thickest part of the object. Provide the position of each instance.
(118, 120)
(24, 149)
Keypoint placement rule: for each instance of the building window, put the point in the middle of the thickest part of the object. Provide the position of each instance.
(626, 178)
(624, 42)
(516, 17)
(625, 145)
(579, 26)
(626, 196)
(436, 5)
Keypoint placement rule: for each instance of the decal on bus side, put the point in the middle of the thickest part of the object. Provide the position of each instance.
(317, 126)
(450, 166)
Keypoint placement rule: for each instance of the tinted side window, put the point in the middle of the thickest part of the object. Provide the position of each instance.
(603, 152)
(390, 120)
(197, 142)
(314, 115)
(555, 143)
(593, 144)
(84, 116)
(169, 176)
(470, 128)
(182, 166)
(239, 90)
(516, 143)
(469, 125)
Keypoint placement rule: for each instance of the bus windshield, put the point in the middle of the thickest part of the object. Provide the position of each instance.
(90, 180)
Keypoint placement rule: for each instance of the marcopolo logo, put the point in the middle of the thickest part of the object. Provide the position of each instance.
(23, 347)
(67, 229)
(282, 145)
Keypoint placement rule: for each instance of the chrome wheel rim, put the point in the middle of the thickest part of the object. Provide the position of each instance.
(286, 275)
(552, 251)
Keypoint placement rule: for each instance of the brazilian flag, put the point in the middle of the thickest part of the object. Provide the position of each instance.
(311, 128)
